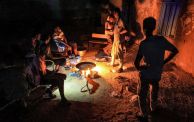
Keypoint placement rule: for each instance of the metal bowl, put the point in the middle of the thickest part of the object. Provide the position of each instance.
(85, 65)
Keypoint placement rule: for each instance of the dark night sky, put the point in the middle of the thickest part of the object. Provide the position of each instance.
(20, 17)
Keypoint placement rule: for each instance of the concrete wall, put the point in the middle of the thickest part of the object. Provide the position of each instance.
(185, 38)
(146, 8)
(117, 3)
(137, 11)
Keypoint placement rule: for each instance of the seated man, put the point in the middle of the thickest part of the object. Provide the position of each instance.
(61, 41)
(37, 74)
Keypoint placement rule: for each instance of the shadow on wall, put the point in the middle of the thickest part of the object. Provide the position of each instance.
(141, 1)
(134, 26)
(129, 16)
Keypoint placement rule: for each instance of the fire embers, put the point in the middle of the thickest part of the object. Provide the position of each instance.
(90, 73)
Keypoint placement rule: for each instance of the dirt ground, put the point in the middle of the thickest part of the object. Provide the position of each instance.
(115, 99)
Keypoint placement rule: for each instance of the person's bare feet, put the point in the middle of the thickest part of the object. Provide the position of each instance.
(65, 103)
(141, 117)
(119, 70)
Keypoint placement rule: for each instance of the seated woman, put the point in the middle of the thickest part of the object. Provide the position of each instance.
(61, 41)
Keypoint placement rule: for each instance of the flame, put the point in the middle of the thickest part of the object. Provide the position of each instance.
(97, 69)
(83, 72)
(87, 72)
(101, 69)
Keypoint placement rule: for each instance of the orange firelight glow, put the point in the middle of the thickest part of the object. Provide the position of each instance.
(88, 72)
(97, 69)
(101, 69)
(145, 11)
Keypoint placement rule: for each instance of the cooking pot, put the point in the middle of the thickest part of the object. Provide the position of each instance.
(81, 51)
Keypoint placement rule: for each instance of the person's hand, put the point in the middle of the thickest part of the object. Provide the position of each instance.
(56, 68)
(108, 33)
(108, 36)
(109, 41)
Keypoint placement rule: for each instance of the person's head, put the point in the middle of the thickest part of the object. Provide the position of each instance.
(46, 38)
(57, 29)
(45, 49)
(33, 41)
(116, 13)
(149, 25)
(111, 18)
(109, 12)
(38, 36)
